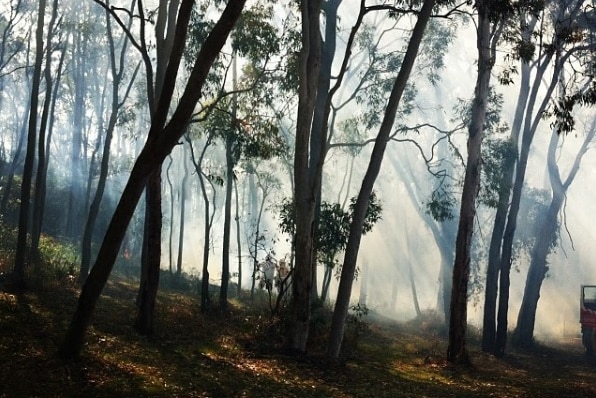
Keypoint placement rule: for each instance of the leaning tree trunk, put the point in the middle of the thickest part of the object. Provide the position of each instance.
(151, 157)
(360, 208)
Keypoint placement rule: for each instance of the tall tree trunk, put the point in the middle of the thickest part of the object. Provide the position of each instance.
(546, 227)
(150, 267)
(318, 135)
(457, 350)
(21, 249)
(16, 160)
(42, 156)
(531, 124)
(225, 266)
(259, 207)
(208, 216)
(171, 229)
(349, 266)
(74, 213)
(326, 282)
(151, 259)
(494, 252)
(414, 291)
(562, 16)
(182, 214)
(304, 196)
(150, 158)
(238, 238)
(116, 73)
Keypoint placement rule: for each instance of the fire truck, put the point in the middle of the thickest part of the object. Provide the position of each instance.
(587, 317)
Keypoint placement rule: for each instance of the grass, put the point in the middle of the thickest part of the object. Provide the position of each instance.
(239, 354)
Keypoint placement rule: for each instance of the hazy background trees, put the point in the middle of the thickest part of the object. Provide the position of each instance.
(289, 113)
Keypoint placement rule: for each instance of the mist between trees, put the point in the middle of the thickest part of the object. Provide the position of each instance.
(403, 157)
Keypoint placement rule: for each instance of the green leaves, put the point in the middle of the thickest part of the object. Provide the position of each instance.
(441, 203)
(498, 156)
(255, 37)
(334, 224)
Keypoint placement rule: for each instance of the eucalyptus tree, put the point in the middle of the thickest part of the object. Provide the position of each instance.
(171, 215)
(253, 133)
(154, 75)
(262, 184)
(241, 117)
(81, 32)
(26, 185)
(554, 55)
(118, 74)
(165, 136)
(317, 112)
(205, 177)
(546, 227)
(521, 37)
(365, 192)
(11, 45)
(44, 138)
(182, 220)
(248, 134)
(309, 65)
(165, 32)
(15, 81)
(491, 19)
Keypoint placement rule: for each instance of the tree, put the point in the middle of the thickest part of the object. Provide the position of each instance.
(182, 221)
(490, 19)
(546, 227)
(563, 46)
(527, 25)
(152, 155)
(364, 195)
(165, 32)
(21, 249)
(208, 216)
(304, 195)
(546, 231)
(117, 71)
(11, 45)
(43, 142)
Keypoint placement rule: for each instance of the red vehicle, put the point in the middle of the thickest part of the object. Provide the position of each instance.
(587, 317)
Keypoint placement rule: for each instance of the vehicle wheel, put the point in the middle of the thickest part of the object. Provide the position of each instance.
(588, 341)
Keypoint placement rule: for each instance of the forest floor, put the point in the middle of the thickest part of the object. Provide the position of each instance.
(192, 354)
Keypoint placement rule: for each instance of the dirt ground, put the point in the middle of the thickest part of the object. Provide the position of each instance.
(238, 355)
